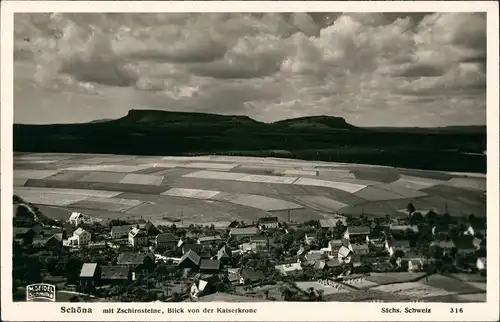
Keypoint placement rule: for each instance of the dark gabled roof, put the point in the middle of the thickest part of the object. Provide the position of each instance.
(399, 243)
(194, 247)
(361, 230)
(191, 256)
(209, 264)
(209, 238)
(251, 274)
(166, 238)
(244, 231)
(114, 272)
(313, 256)
(121, 229)
(131, 258)
(267, 220)
(356, 247)
(311, 234)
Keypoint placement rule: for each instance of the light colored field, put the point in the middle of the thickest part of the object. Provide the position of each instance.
(259, 202)
(478, 297)
(114, 177)
(469, 277)
(361, 283)
(299, 172)
(162, 165)
(108, 204)
(479, 285)
(49, 198)
(415, 290)
(215, 166)
(376, 194)
(104, 159)
(450, 284)
(190, 193)
(95, 167)
(37, 162)
(416, 183)
(19, 182)
(34, 174)
(468, 183)
(42, 158)
(109, 167)
(340, 173)
(142, 179)
(321, 202)
(216, 175)
(268, 179)
(394, 277)
(71, 192)
(349, 187)
(180, 159)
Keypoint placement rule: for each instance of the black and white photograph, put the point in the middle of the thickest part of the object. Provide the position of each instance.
(256, 157)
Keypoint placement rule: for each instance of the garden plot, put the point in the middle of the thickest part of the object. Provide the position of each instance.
(376, 194)
(334, 288)
(394, 277)
(190, 193)
(416, 183)
(360, 283)
(48, 198)
(467, 183)
(34, 174)
(142, 179)
(226, 185)
(216, 175)
(469, 277)
(114, 177)
(457, 206)
(321, 203)
(406, 192)
(259, 202)
(349, 187)
(412, 289)
(72, 192)
(108, 204)
(449, 284)
(268, 179)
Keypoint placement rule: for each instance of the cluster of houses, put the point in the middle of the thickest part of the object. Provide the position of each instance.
(361, 246)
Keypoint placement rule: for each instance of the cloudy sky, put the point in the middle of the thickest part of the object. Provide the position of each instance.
(373, 69)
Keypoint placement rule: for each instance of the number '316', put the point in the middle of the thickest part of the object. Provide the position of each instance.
(456, 310)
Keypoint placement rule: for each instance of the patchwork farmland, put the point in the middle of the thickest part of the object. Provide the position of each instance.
(220, 189)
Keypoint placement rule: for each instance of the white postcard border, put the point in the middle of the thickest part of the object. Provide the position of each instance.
(279, 311)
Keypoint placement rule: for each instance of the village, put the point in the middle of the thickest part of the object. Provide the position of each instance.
(266, 260)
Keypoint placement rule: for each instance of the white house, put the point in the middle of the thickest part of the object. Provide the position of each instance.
(268, 223)
(357, 231)
(137, 237)
(343, 254)
(481, 263)
(119, 232)
(415, 265)
(287, 269)
(80, 238)
(76, 219)
(197, 288)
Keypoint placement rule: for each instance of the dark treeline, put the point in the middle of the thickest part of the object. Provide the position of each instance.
(328, 139)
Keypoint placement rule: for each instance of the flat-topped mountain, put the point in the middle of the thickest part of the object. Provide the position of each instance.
(325, 138)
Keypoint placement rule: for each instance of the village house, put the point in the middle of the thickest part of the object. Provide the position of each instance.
(415, 265)
(361, 249)
(137, 237)
(119, 232)
(248, 247)
(473, 230)
(481, 263)
(403, 229)
(139, 263)
(197, 248)
(268, 223)
(344, 253)
(477, 243)
(243, 232)
(150, 229)
(224, 253)
(445, 245)
(440, 231)
(115, 275)
(291, 227)
(250, 276)
(311, 257)
(262, 242)
(333, 247)
(310, 237)
(209, 265)
(53, 243)
(166, 240)
(76, 219)
(357, 233)
(90, 274)
(189, 261)
(208, 240)
(80, 238)
(392, 246)
(289, 269)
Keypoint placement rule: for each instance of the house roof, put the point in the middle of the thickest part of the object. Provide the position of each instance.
(114, 272)
(75, 215)
(194, 247)
(249, 246)
(88, 270)
(358, 247)
(319, 265)
(267, 220)
(288, 268)
(443, 244)
(209, 238)
(209, 264)
(300, 251)
(358, 230)
(244, 231)
(79, 231)
(335, 243)
(334, 262)
(311, 234)
(131, 258)
(137, 232)
(191, 256)
(403, 227)
(399, 243)
(224, 251)
(166, 238)
(482, 259)
(313, 256)
(251, 274)
(344, 251)
(121, 229)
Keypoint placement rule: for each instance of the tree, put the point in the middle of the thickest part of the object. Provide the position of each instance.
(410, 208)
